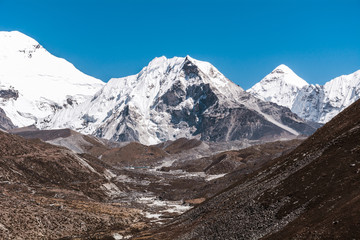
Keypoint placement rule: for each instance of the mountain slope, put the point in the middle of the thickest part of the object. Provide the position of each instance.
(34, 83)
(280, 86)
(49, 192)
(174, 98)
(311, 193)
(321, 103)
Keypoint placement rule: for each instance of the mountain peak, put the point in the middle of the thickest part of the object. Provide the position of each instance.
(188, 58)
(285, 74)
(38, 82)
(171, 61)
(282, 68)
(279, 86)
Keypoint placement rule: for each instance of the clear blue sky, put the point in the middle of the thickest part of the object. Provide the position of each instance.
(245, 40)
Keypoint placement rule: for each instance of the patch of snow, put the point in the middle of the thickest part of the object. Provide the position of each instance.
(117, 236)
(155, 216)
(177, 208)
(215, 176)
(168, 206)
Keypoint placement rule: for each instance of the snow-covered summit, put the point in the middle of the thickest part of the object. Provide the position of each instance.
(317, 103)
(284, 73)
(163, 75)
(280, 86)
(34, 83)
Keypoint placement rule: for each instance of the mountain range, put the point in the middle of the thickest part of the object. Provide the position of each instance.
(316, 103)
(174, 98)
(177, 151)
(168, 99)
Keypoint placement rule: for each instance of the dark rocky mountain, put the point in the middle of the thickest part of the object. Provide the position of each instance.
(5, 122)
(310, 193)
(174, 98)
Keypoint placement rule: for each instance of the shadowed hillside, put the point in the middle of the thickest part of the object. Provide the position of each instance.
(311, 193)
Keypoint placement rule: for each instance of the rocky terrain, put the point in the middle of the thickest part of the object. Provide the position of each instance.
(177, 151)
(310, 193)
(51, 192)
(109, 189)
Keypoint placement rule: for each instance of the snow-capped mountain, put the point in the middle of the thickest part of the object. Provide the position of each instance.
(173, 98)
(311, 102)
(34, 83)
(280, 86)
(322, 103)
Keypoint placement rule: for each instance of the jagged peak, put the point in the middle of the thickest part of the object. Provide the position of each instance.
(177, 64)
(179, 60)
(188, 58)
(162, 72)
